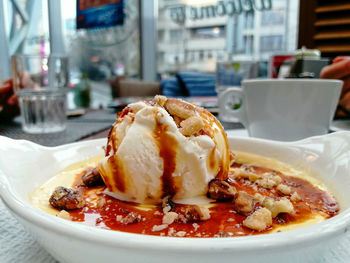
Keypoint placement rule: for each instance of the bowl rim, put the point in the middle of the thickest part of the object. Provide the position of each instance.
(300, 237)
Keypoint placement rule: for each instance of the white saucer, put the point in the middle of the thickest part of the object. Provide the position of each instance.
(237, 133)
(340, 125)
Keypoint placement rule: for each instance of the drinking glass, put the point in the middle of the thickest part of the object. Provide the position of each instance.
(40, 83)
(231, 74)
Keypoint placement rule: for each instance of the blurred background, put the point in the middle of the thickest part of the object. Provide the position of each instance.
(154, 41)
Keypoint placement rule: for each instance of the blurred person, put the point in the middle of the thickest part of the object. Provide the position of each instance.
(9, 107)
(340, 69)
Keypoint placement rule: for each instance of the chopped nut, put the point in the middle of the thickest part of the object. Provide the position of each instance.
(180, 234)
(159, 99)
(157, 228)
(191, 126)
(194, 213)
(276, 207)
(221, 190)
(64, 215)
(258, 198)
(284, 189)
(92, 178)
(119, 218)
(269, 180)
(131, 218)
(254, 177)
(169, 218)
(101, 202)
(66, 198)
(295, 197)
(244, 171)
(180, 108)
(266, 183)
(259, 220)
(171, 231)
(244, 203)
(195, 226)
(223, 234)
(204, 213)
(277, 179)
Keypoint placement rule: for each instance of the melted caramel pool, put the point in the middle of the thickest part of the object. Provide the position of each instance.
(315, 204)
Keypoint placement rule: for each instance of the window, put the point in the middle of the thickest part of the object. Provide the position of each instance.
(175, 35)
(201, 55)
(249, 20)
(273, 17)
(208, 32)
(161, 35)
(104, 45)
(271, 43)
(248, 44)
(161, 57)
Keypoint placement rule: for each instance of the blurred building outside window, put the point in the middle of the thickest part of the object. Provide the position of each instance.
(271, 43)
(211, 34)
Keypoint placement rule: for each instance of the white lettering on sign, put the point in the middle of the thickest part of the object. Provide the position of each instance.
(179, 13)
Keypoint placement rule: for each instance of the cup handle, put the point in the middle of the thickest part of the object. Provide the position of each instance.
(226, 111)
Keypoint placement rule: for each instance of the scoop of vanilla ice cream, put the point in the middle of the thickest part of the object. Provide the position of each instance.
(148, 156)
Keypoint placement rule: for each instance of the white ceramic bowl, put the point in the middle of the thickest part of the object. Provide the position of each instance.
(24, 166)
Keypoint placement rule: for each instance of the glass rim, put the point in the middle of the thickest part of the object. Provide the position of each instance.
(39, 56)
(42, 91)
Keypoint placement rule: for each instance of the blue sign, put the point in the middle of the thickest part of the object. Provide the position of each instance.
(97, 14)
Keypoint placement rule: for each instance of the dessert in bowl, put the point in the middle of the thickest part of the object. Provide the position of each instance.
(165, 220)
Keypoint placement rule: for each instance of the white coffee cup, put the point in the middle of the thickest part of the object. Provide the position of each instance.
(282, 109)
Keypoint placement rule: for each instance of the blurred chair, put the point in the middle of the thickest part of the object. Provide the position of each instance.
(122, 87)
(189, 83)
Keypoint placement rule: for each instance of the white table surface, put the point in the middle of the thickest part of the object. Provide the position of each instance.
(18, 246)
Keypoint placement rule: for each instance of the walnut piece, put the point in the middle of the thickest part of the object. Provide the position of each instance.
(191, 126)
(157, 228)
(180, 233)
(269, 180)
(180, 108)
(194, 213)
(244, 203)
(259, 220)
(284, 189)
(295, 197)
(159, 99)
(169, 218)
(280, 206)
(258, 198)
(131, 218)
(221, 190)
(66, 198)
(92, 178)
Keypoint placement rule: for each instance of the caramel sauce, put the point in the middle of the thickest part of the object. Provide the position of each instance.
(224, 220)
(117, 170)
(167, 151)
(210, 124)
(212, 158)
